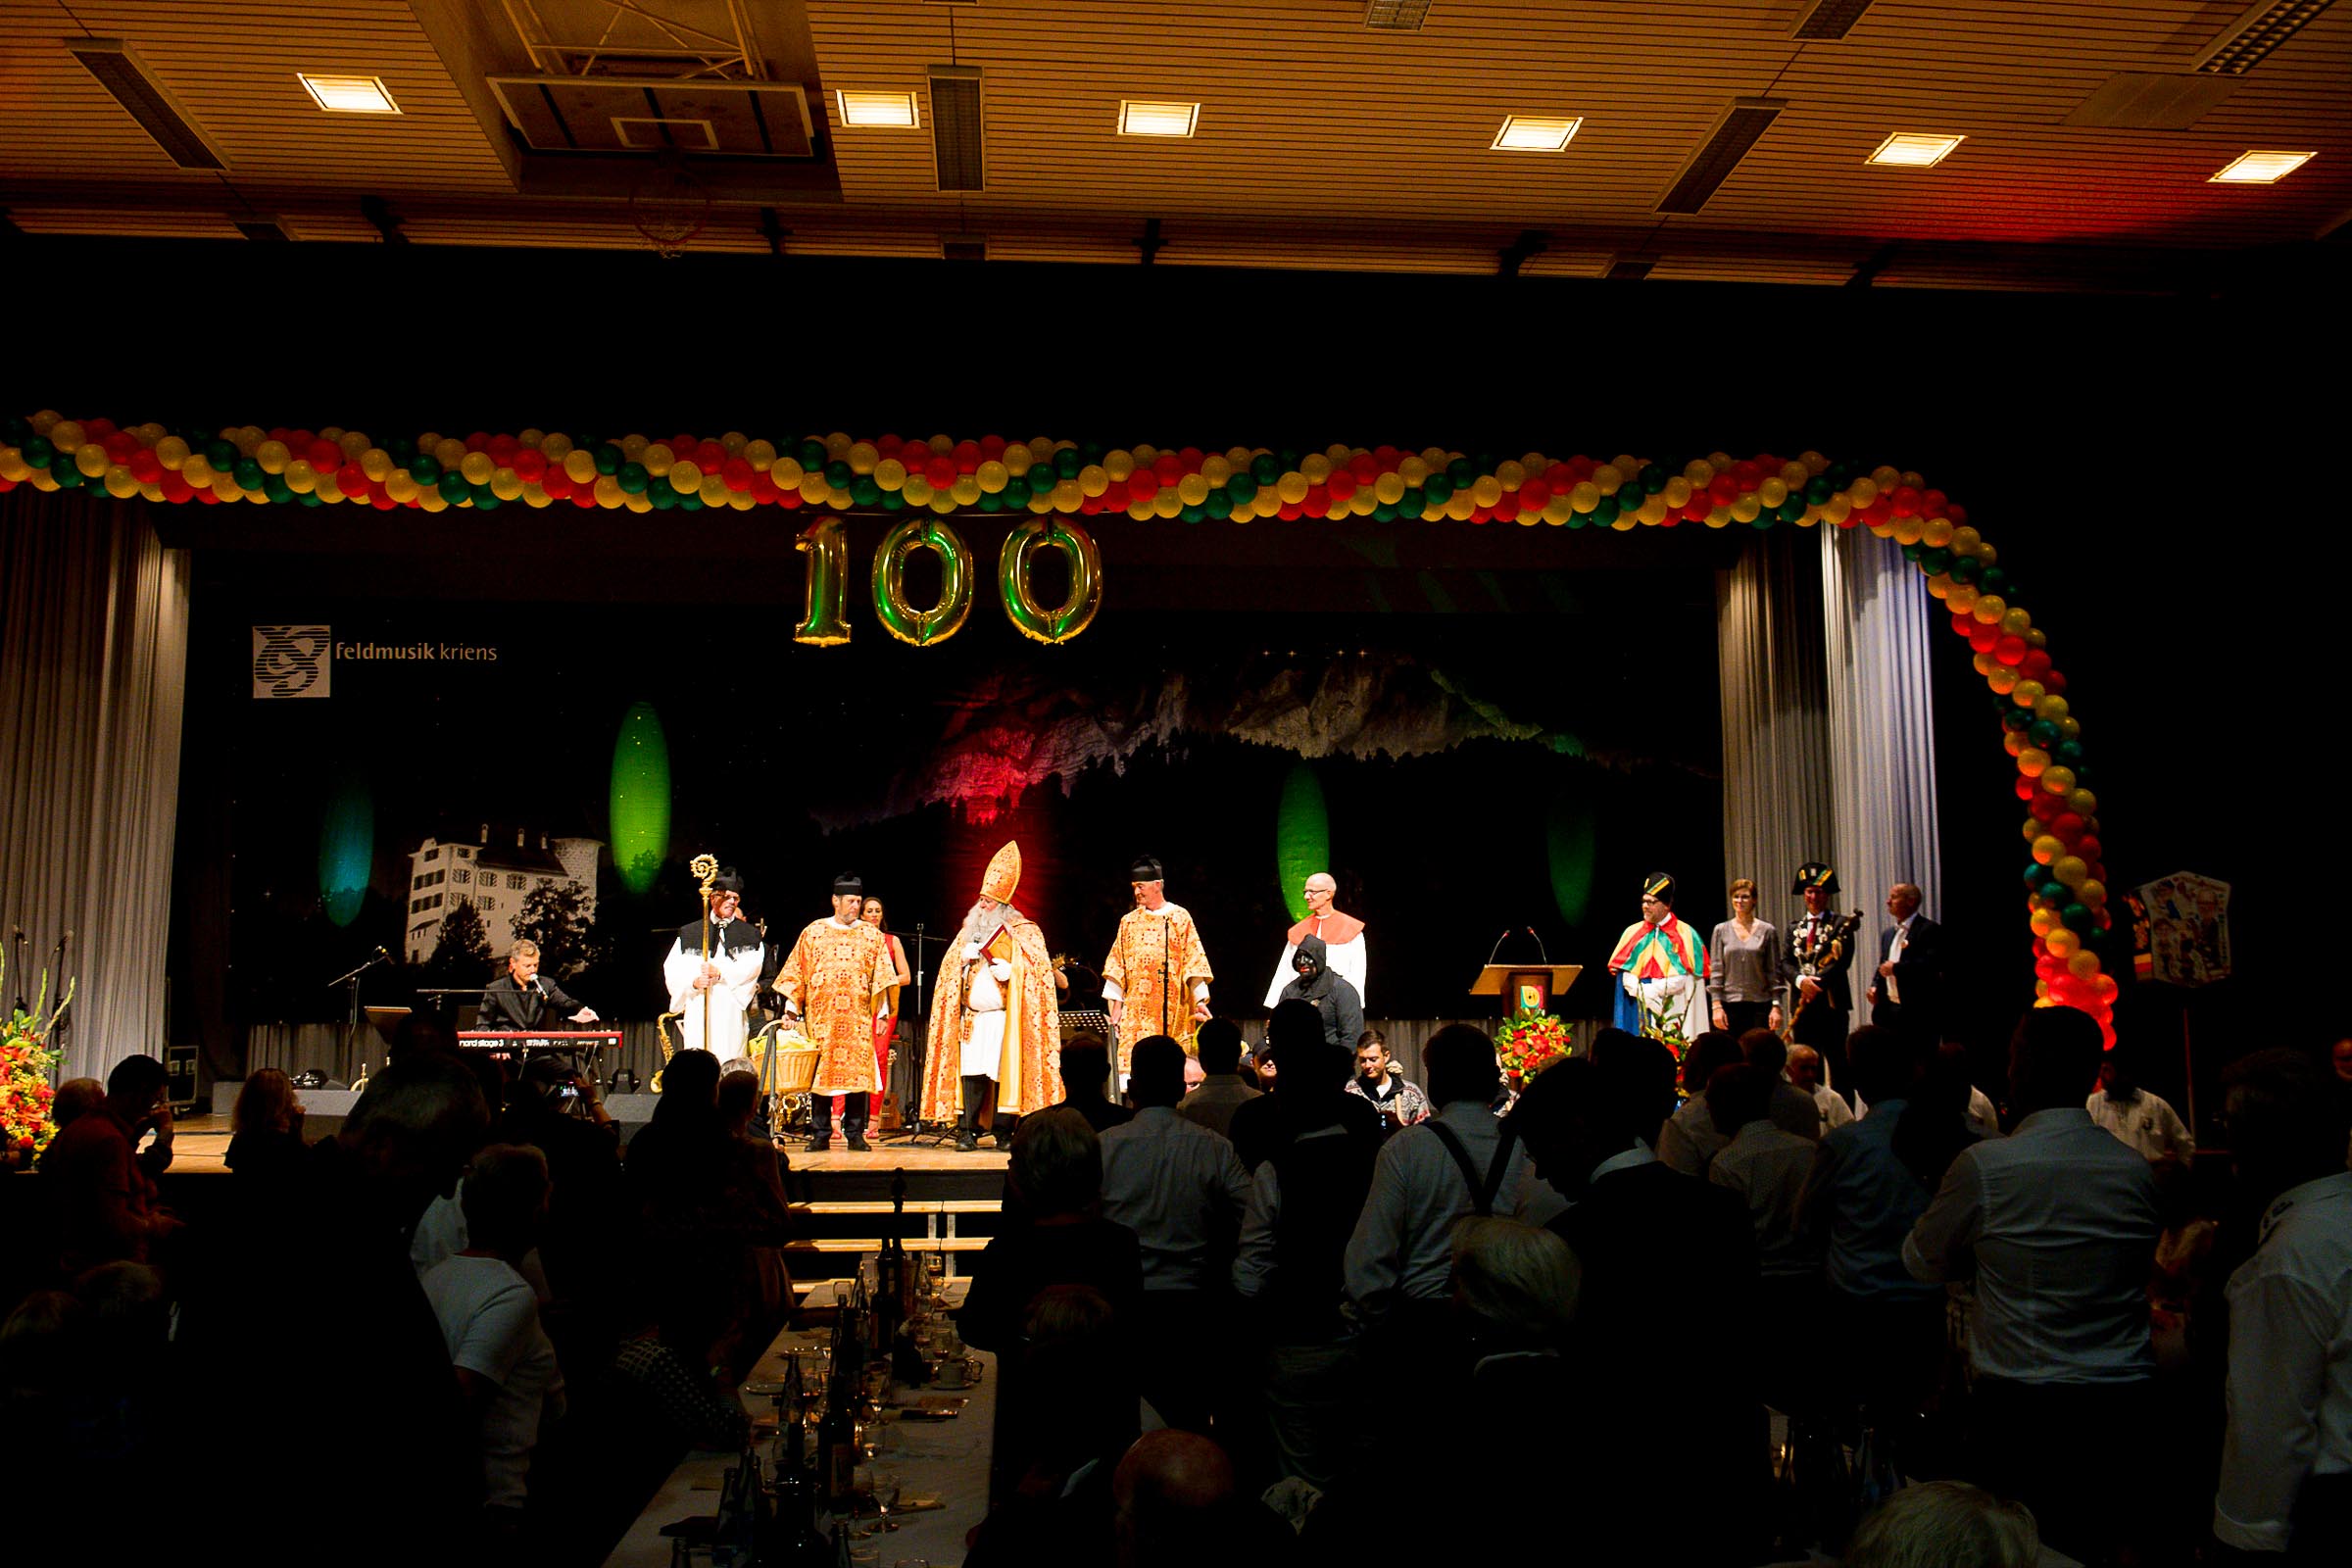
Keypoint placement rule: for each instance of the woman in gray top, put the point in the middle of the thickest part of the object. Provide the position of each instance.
(1747, 969)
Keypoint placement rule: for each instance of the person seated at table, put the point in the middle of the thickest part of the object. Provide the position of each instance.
(266, 1139)
(754, 1193)
(1077, 1415)
(489, 1316)
(1056, 1172)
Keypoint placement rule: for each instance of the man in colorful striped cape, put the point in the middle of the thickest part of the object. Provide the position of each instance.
(1661, 969)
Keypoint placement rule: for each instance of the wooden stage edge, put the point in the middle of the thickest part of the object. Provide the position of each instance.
(200, 1146)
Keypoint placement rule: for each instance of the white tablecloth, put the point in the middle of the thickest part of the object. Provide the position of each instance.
(943, 1460)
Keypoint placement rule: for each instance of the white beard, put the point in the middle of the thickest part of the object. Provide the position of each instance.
(984, 918)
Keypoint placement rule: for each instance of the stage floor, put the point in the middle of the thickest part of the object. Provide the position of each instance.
(200, 1146)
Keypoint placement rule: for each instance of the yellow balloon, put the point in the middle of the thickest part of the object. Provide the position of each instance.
(301, 476)
(2033, 761)
(714, 491)
(1413, 470)
(2003, 681)
(1962, 600)
(686, 478)
(2071, 869)
(657, 458)
(505, 484)
(786, 472)
(1677, 492)
(918, 490)
(1118, 464)
(2027, 694)
(172, 451)
(477, 468)
(64, 434)
(2061, 942)
(2015, 623)
(92, 459)
(2051, 707)
(449, 453)
(2058, 780)
(579, 468)
(2043, 921)
(2092, 892)
(2082, 802)
(966, 489)
(1772, 492)
(1390, 487)
(1315, 466)
(1966, 541)
(863, 454)
(1990, 610)
(1486, 490)
(2048, 848)
(1191, 489)
(1936, 534)
(376, 464)
(120, 484)
(2083, 963)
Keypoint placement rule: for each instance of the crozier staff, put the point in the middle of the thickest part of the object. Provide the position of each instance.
(995, 1019)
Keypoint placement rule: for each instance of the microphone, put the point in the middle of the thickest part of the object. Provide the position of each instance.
(1539, 953)
(1499, 942)
(381, 955)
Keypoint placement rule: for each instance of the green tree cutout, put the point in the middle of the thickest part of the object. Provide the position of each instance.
(557, 917)
(460, 953)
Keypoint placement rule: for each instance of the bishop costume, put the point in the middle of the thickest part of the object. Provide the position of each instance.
(1157, 971)
(1661, 970)
(994, 1016)
(712, 1018)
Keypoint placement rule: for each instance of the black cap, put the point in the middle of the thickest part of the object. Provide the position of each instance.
(1145, 869)
(845, 883)
(727, 881)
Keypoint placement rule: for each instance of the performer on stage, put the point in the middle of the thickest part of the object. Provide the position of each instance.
(1661, 969)
(838, 978)
(523, 997)
(886, 1028)
(1155, 981)
(1821, 949)
(994, 1016)
(711, 994)
(1327, 991)
(1746, 988)
(1906, 994)
(1342, 940)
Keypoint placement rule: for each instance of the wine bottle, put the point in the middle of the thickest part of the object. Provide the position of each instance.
(890, 1285)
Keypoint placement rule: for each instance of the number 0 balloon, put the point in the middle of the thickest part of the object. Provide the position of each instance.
(1021, 608)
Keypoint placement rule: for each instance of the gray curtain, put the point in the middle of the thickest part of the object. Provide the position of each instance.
(93, 667)
(1881, 734)
(1775, 717)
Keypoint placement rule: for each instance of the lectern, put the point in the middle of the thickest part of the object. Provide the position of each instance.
(1530, 988)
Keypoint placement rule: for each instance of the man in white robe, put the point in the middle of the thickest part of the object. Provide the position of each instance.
(712, 994)
(1342, 940)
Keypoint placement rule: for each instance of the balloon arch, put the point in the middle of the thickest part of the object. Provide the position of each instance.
(1061, 484)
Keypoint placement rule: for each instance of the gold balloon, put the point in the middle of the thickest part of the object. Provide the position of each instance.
(944, 619)
(686, 478)
(477, 468)
(92, 459)
(579, 468)
(657, 458)
(505, 484)
(1085, 560)
(172, 451)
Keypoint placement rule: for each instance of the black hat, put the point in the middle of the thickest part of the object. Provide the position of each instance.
(1659, 886)
(726, 882)
(846, 884)
(1145, 869)
(1815, 874)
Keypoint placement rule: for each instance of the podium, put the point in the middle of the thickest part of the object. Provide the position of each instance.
(1530, 988)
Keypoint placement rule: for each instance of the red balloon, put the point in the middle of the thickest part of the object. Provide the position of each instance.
(1115, 495)
(1983, 638)
(351, 480)
(1965, 626)
(1364, 467)
(1340, 485)
(1906, 500)
(940, 471)
(968, 457)
(1747, 475)
(502, 450)
(992, 447)
(1143, 484)
(2011, 651)
(529, 465)
(1385, 457)
(2053, 682)
(97, 429)
(1192, 457)
(1723, 488)
(175, 488)
(324, 454)
(2036, 663)
(890, 446)
(1167, 468)
(144, 466)
(681, 446)
(737, 474)
(763, 486)
(2047, 806)
(557, 484)
(2089, 847)
(2068, 827)
(1482, 513)
(1289, 511)
(2028, 788)
(1090, 504)
(1506, 510)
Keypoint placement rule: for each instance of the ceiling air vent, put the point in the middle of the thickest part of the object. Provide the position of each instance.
(124, 74)
(955, 126)
(265, 230)
(1629, 269)
(1746, 121)
(1829, 19)
(2246, 43)
(964, 247)
(1397, 16)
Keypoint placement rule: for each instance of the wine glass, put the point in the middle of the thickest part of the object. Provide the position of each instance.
(886, 1496)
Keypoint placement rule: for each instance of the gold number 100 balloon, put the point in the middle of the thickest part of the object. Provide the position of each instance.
(825, 622)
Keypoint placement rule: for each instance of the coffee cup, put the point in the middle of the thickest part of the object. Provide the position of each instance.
(957, 1372)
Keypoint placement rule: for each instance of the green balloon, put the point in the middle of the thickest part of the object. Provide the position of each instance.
(1240, 490)
(1193, 512)
(2055, 892)
(990, 500)
(1220, 504)
(1653, 478)
(1439, 488)
(663, 497)
(1994, 580)
(2078, 917)
(274, 486)
(453, 487)
(1265, 468)
(1964, 568)
(2014, 719)
(311, 497)
(609, 457)
(39, 452)
(220, 455)
(633, 478)
(1413, 504)
(249, 473)
(1067, 464)
(425, 469)
(838, 474)
(863, 491)
(813, 455)
(1017, 491)
(689, 500)
(1818, 489)
(1460, 474)
(484, 498)
(69, 477)
(1932, 561)
(893, 501)
(1605, 513)
(2069, 755)
(2042, 733)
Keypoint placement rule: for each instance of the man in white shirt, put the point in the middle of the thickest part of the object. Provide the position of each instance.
(1179, 1187)
(2057, 1225)
(2286, 1487)
(1804, 1071)
(2138, 1116)
(1399, 1267)
(505, 1365)
(1765, 1166)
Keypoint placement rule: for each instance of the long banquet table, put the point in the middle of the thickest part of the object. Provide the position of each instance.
(943, 1460)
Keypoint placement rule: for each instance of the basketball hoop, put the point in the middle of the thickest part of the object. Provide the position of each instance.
(670, 207)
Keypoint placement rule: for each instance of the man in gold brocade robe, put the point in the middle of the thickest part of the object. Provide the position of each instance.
(1155, 981)
(837, 979)
(994, 1016)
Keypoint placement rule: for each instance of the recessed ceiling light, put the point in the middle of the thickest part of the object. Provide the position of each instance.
(349, 95)
(2260, 168)
(1535, 133)
(1904, 150)
(1140, 119)
(877, 110)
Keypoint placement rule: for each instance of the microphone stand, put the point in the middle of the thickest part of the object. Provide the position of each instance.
(57, 966)
(913, 1128)
(351, 1035)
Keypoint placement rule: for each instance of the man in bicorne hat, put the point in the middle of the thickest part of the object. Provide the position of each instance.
(711, 994)
(1342, 941)
(1819, 959)
(994, 1018)
(1661, 969)
(838, 979)
(1155, 981)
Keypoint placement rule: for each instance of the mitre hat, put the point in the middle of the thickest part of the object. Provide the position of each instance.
(1003, 873)
(1815, 874)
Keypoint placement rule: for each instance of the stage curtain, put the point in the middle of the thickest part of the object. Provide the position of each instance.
(1776, 722)
(93, 667)
(1881, 734)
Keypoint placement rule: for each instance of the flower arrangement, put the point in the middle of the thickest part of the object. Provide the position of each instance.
(1530, 1043)
(26, 1062)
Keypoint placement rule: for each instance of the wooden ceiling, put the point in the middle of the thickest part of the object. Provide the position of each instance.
(1321, 143)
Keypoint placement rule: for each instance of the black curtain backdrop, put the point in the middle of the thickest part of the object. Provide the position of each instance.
(2151, 468)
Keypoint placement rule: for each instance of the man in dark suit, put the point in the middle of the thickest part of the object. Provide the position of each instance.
(1906, 993)
(1668, 1263)
(524, 999)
